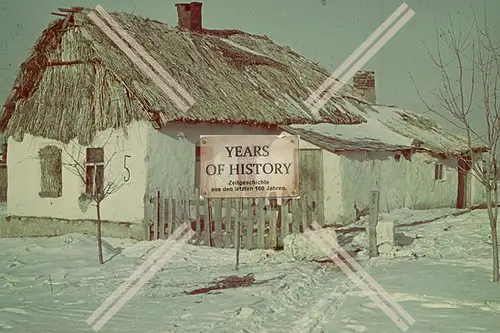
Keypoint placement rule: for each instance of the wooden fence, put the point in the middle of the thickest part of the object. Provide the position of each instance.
(264, 222)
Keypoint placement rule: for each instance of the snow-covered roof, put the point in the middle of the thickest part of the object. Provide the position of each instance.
(387, 129)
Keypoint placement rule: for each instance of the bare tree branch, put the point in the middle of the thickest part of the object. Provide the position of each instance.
(475, 88)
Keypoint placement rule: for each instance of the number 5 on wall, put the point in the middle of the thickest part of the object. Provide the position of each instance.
(127, 177)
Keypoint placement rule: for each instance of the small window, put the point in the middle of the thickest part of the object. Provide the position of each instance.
(438, 171)
(94, 172)
(51, 172)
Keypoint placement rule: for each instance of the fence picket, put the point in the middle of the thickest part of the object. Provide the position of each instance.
(168, 216)
(250, 221)
(197, 215)
(151, 217)
(285, 222)
(264, 224)
(237, 231)
(313, 201)
(320, 208)
(237, 227)
(228, 221)
(156, 217)
(186, 210)
(186, 205)
(207, 224)
(261, 222)
(273, 239)
(296, 216)
(161, 214)
(218, 223)
(175, 210)
(310, 210)
(304, 210)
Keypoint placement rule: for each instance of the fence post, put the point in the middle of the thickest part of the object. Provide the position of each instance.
(372, 226)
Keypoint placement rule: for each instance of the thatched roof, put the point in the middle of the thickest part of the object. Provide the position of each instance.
(77, 82)
(386, 129)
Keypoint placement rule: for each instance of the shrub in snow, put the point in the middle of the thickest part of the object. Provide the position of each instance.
(302, 247)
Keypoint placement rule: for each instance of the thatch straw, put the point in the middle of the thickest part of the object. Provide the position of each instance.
(77, 82)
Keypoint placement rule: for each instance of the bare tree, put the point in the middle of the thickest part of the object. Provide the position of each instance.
(97, 186)
(470, 74)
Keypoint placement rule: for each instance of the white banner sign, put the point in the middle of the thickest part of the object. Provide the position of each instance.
(249, 166)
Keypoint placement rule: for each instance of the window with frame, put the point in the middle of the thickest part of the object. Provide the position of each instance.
(438, 171)
(51, 172)
(94, 172)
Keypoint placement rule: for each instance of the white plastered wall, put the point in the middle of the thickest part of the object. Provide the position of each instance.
(400, 183)
(171, 152)
(125, 205)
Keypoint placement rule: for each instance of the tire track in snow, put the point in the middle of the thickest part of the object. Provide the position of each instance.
(291, 299)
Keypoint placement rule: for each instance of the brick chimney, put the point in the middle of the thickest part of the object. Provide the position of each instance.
(189, 15)
(364, 84)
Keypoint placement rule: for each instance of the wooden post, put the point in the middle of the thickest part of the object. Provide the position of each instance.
(372, 226)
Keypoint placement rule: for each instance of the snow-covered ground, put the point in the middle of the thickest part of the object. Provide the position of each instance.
(442, 279)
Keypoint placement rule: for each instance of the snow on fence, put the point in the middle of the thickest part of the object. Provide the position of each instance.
(264, 222)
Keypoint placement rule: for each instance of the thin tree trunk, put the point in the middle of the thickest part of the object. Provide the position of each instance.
(494, 242)
(493, 228)
(494, 231)
(99, 233)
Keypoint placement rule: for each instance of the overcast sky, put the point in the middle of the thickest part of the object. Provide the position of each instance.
(325, 31)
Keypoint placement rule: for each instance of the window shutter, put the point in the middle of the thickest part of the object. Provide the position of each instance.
(51, 172)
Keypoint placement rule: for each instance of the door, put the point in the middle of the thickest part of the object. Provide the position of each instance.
(311, 178)
(463, 183)
(462, 190)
